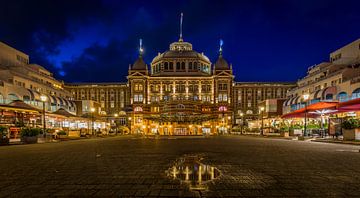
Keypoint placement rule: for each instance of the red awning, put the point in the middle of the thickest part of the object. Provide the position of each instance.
(311, 108)
(351, 105)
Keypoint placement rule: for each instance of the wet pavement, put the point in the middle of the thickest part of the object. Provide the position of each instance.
(228, 166)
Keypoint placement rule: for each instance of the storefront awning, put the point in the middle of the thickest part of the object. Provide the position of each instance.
(311, 108)
(351, 105)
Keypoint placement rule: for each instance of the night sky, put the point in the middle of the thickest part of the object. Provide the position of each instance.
(95, 41)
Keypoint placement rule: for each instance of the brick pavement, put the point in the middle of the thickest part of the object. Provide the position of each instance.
(135, 167)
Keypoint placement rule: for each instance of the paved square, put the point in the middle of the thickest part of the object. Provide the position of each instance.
(135, 167)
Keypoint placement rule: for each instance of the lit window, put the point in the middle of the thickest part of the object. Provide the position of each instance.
(224, 97)
(138, 109)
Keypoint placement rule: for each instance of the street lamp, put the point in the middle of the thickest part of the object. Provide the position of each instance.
(116, 128)
(92, 120)
(43, 98)
(305, 97)
(242, 122)
(262, 120)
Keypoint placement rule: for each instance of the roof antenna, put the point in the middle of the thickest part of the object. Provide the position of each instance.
(141, 50)
(181, 22)
(221, 44)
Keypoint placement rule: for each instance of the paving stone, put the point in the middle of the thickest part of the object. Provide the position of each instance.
(133, 167)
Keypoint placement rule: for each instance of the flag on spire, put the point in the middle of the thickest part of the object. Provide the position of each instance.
(141, 50)
(181, 22)
(221, 44)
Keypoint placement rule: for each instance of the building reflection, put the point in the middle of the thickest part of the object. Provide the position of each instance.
(194, 173)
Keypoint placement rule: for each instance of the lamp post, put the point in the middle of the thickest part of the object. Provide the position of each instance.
(262, 120)
(92, 120)
(116, 128)
(305, 97)
(242, 123)
(43, 98)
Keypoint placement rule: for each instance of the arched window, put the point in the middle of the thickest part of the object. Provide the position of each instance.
(171, 66)
(183, 66)
(177, 65)
(180, 106)
(329, 96)
(356, 93)
(190, 66)
(166, 66)
(249, 112)
(342, 96)
(26, 98)
(1, 99)
(12, 97)
(138, 109)
(195, 65)
(222, 108)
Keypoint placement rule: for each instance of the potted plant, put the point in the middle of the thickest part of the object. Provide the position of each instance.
(62, 134)
(4, 135)
(350, 129)
(30, 135)
(296, 130)
(284, 131)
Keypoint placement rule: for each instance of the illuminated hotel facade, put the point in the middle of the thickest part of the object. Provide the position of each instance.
(183, 93)
(180, 93)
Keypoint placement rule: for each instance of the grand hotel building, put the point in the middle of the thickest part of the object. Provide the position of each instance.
(180, 93)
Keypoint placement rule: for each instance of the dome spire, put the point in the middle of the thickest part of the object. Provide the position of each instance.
(221, 43)
(141, 50)
(181, 22)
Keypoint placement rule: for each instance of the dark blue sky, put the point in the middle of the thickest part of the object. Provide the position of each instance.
(96, 40)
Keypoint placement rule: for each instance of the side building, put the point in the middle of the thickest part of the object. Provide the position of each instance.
(248, 96)
(336, 80)
(114, 98)
(20, 80)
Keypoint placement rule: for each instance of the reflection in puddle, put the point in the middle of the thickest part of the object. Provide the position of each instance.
(190, 171)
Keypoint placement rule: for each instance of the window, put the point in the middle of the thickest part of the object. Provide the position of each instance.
(138, 109)
(177, 65)
(222, 86)
(171, 66)
(180, 106)
(138, 98)
(182, 66)
(112, 104)
(166, 66)
(220, 97)
(190, 66)
(154, 109)
(195, 65)
(224, 97)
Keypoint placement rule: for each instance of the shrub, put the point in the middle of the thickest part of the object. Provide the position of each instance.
(30, 132)
(61, 133)
(284, 129)
(3, 131)
(313, 126)
(296, 127)
(350, 124)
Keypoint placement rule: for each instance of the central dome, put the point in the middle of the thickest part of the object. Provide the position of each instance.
(180, 59)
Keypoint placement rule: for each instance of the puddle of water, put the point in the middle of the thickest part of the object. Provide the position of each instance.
(352, 151)
(191, 171)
